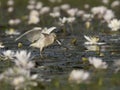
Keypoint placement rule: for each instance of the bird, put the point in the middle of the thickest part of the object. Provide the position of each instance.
(40, 38)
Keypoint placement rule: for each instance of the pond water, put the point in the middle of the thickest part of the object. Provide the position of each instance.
(59, 60)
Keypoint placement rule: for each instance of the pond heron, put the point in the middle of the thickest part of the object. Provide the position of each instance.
(40, 38)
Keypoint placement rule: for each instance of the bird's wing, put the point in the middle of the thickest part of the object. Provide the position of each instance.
(32, 35)
(48, 31)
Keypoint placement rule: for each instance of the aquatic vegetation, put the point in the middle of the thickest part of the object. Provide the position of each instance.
(19, 78)
(20, 75)
(8, 54)
(92, 47)
(87, 59)
(115, 3)
(55, 14)
(14, 21)
(98, 63)
(12, 31)
(105, 1)
(116, 64)
(79, 76)
(23, 60)
(1, 45)
(65, 7)
(87, 17)
(10, 4)
(92, 40)
(55, 1)
(33, 17)
(114, 24)
(44, 10)
(103, 12)
(72, 12)
(62, 21)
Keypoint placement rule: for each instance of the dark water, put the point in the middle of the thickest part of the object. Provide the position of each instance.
(59, 61)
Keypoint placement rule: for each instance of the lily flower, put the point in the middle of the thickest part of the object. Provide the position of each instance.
(9, 54)
(23, 60)
(114, 24)
(79, 76)
(12, 31)
(55, 14)
(20, 78)
(92, 47)
(92, 40)
(98, 63)
(1, 45)
(65, 7)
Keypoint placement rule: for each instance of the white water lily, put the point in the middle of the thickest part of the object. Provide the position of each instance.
(33, 19)
(98, 63)
(14, 21)
(99, 11)
(34, 13)
(108, 15)
(39, 5)
(63, 20)
(23, 60)
(1, 45)
(10, 9)
(87, 17)
(105, 1)
(32, 2)
(30, 7)
(10, 2)
(55, 1)
(56, 9)
(72, 12)
(80, 13)
(9, 54)
(86, 6)
(55, 14)
(71, 19)
(92, 40)
(12, 31)
(79, 76)
(116, 64)
(115, 3)
(114, 24)
(20, 78)
(65, 7)
(92, 47)
(19, 75)
(44, 10)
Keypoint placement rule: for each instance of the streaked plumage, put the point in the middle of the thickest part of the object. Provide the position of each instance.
(40, 38)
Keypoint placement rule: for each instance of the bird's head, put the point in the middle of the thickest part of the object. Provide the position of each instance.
(55, 38)
(53, 35)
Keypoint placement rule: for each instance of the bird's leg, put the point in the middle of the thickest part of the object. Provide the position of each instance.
(41, 53)
(58, 42)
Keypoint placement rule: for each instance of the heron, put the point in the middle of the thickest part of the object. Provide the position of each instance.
(40, 38)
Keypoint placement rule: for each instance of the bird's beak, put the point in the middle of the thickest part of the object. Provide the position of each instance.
(58, 42)
(30, 45)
